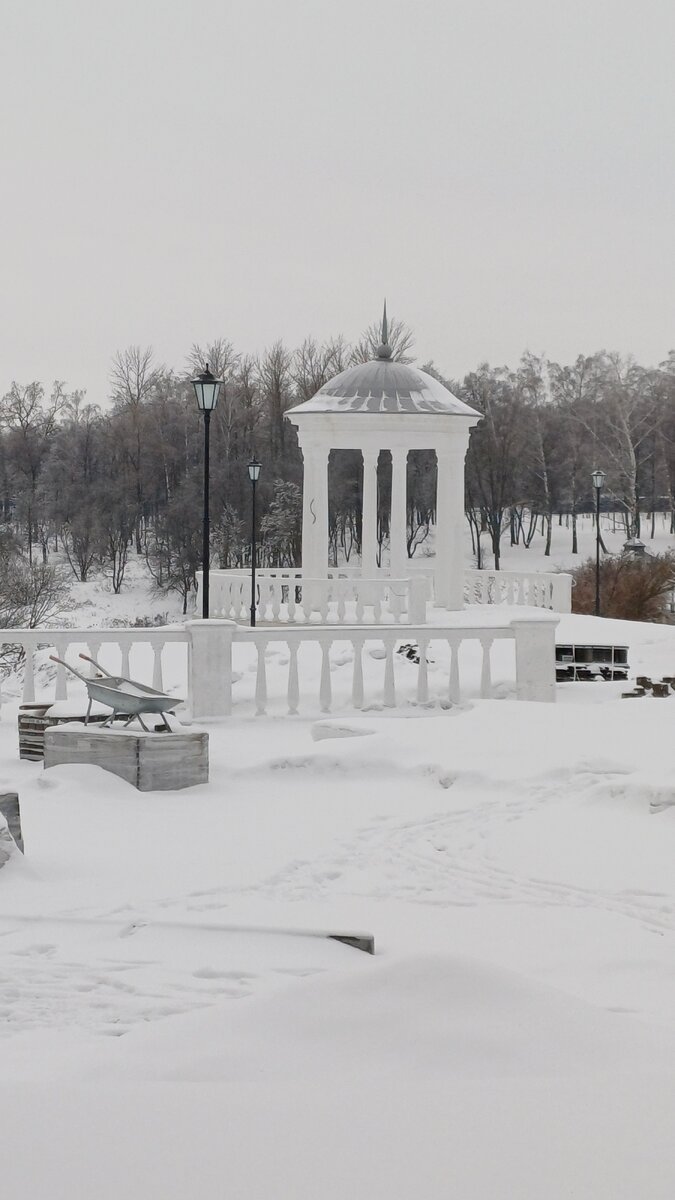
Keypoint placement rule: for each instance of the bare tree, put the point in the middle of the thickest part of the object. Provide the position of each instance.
(275, 382)
(400, 338)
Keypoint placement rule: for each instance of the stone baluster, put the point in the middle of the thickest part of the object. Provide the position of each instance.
(306, 600)
(94, 651)
(357, 676)
(325, 687)
(341, 587)
(453, 678)
(157, 679)
(275, 592)
(324, 590)
(422, 675)
(61, 650)
(389, 698)
(125, 647)
(293, 683)
(261, 680)
(485, 674)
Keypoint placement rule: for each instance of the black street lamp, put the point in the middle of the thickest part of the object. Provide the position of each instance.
(207, 389)
(598, 478)
(253, 474)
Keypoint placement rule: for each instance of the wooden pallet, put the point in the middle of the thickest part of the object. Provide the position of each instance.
(33, 720)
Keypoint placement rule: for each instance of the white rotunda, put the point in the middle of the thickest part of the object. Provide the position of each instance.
(386, 405)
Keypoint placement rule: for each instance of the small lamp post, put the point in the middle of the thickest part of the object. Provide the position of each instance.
(207, 389)
(253, 474)
(598, 478)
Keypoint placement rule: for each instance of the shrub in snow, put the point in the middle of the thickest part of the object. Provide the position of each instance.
(631, 589)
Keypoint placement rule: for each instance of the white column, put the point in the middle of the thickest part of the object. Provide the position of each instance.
(369, 515)
(315, 511)
(449, 565)
(398, 553)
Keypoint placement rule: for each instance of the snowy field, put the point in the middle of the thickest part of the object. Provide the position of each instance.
(164, 1034)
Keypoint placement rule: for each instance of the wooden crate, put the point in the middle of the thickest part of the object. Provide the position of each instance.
(152, 762)
(33, 720)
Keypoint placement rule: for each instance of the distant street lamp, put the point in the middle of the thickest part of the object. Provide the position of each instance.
(207, 389)
(598, 478)
(253, 474)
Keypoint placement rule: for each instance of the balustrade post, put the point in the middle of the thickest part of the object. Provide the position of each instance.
(389, 695)
(210, 667)
(417, 604)
(535, 658)
(561, 593)
(485, 671)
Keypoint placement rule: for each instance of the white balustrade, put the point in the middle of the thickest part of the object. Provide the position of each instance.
(535, 669)
(286, 597)
(213, 690)
(39, 644)
(538, 589)
(343, 597)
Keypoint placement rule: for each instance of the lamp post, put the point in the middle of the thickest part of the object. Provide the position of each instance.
(598, 478)
(254, 475)
(207, 389)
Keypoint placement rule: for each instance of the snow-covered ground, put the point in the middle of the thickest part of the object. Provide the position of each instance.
(513, 1037)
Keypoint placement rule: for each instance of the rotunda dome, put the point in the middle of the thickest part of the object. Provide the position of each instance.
(385, 386)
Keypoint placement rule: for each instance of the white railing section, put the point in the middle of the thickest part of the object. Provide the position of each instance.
(213, 645)
(286, 597)
(386, 640)
(282, 595)
(539, 589)
(68, 643)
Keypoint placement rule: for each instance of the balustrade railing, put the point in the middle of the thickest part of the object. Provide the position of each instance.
(538, 589)
(343, 597)
(38, 644)
(286, 597)
(215, 652)
(352, 644)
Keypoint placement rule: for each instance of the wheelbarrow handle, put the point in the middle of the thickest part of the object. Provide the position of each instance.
(62, 663)
(88, 658)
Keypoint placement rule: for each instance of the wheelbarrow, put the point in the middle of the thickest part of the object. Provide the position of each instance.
(126, 697)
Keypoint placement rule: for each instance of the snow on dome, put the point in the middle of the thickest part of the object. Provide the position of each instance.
(385, 386)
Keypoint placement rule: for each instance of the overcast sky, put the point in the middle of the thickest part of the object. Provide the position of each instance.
(179, 170)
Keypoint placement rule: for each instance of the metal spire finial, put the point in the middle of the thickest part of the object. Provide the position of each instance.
(384, 349)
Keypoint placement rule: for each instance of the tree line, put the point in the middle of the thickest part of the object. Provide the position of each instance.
(92, 485)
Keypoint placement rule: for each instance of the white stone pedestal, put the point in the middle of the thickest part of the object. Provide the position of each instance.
(152, 762)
